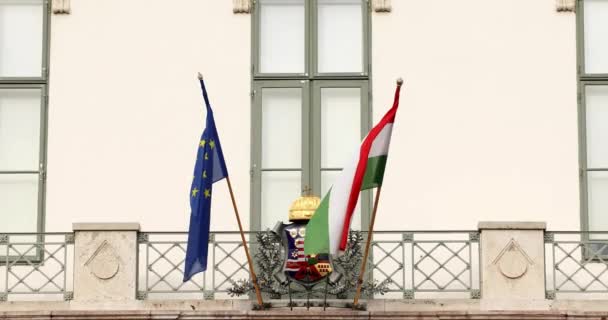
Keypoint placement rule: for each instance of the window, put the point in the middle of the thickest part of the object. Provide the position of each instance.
(310, 100)
(593, 104)
(23, 87)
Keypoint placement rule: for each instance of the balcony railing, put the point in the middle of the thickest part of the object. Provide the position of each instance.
(577, 263)
(35, 264)
(409, 264)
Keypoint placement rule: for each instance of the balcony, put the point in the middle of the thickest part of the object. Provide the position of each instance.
(501, 270)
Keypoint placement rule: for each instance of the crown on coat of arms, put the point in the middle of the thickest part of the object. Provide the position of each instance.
(304, 207)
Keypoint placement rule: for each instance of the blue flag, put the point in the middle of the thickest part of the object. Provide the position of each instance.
(209, 168)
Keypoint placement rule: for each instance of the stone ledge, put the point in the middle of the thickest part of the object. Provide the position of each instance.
(512, 225)
(385, 306)
(103, 226)
(302, 314)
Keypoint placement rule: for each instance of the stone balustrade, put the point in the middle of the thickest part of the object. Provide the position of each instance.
(506, 270)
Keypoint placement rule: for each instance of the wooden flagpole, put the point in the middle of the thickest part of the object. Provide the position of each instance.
(258, 293)
(367, 244)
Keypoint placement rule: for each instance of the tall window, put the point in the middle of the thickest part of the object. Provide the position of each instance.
(593, 102)
(310, 100)
(23, 87)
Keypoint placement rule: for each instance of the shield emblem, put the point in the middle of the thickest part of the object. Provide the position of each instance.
(306, 269)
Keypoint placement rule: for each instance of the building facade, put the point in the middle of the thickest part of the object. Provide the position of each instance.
(503, 113)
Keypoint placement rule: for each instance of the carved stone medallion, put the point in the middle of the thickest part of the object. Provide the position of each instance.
(512, 261)
(104, 263)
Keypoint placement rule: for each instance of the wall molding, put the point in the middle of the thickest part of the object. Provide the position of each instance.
(241, 6)
(565, 5)
(61, 6)
(382, 5)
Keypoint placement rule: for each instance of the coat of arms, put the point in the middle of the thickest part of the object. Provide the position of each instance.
(304, 269)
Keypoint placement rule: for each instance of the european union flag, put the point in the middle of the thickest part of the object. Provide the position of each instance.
(209, 168)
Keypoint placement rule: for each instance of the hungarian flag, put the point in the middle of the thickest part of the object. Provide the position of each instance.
(327, 231)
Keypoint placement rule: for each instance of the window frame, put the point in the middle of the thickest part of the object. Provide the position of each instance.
(584, 168)
(41, 83)
(580, 48)
(583, 81)
(365, 68)
(310, 81)
(311, 139)
(311, 52)
(365, 125)
(44, 72)
(256, 143)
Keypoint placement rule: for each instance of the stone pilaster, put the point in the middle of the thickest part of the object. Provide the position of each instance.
(105, 261)
(512, 260)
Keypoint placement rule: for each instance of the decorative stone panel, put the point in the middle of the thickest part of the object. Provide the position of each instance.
(512, 260)
(105, 261)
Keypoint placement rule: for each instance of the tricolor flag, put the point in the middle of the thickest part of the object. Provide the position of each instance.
(327, 231)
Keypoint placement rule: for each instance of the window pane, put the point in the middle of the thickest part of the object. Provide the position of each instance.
(19, 129)
(340, 36)
(282, 36)
(18, 202)
(596, 33)
(279, 190)
(281, 128)
(21, 31)
(596, 103)
(327, 179)
(598, 200)
(340, 125)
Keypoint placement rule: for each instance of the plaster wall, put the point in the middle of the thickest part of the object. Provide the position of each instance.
(486, 131)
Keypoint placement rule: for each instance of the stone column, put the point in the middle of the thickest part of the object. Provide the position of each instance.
(105, 261)
(512, 260)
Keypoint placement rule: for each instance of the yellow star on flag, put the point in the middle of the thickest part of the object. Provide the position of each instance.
(211, 144)
(204, 174)
(195, 191)
(206, 156)
(202, 143)
(207, 193)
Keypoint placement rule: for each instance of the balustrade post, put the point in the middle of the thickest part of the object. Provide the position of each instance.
(512, 261)
(105, 261)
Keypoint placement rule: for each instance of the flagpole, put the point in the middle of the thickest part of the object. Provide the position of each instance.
(254, 279)
(369, 233)
(249, 261)
(367, 244)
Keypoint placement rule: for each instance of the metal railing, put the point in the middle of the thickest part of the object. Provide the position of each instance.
(408, 263)
(427, 263)
(161, 265)
(36, 264)
(576, 262)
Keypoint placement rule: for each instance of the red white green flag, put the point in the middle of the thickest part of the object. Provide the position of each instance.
(327, 231)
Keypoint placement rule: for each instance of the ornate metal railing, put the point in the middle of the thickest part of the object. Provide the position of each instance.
(36, 264)
(576, 262)
(408, 264)
(427, 263)
(424, 263)
(161, 267)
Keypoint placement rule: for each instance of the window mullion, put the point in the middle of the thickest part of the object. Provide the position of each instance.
(316, 138)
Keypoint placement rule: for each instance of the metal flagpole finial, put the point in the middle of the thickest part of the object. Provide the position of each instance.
(399, 81)
(200, 76)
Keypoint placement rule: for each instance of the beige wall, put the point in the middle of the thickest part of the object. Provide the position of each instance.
(486, 129)
(126, 111)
